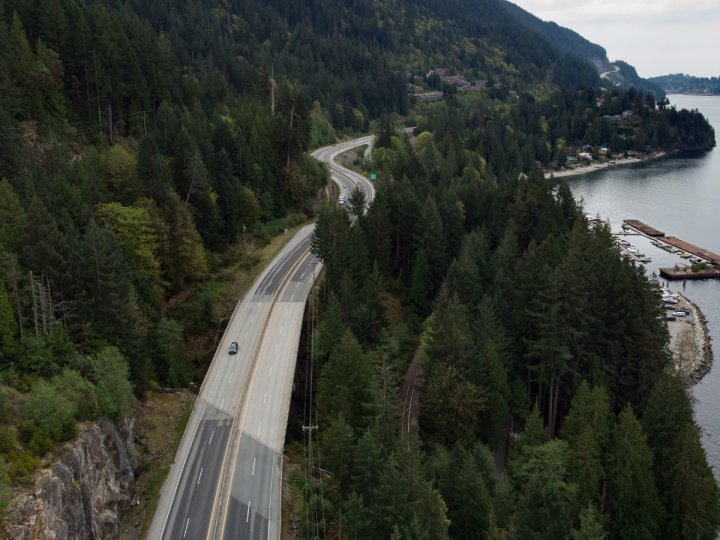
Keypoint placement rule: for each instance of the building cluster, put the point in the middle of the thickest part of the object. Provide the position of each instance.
(625, 115)
(458, 81)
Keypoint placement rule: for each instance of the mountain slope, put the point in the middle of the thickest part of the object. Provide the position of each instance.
(567, 41)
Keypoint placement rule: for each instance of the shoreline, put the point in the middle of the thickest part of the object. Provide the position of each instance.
(593, 167)
(703, 358)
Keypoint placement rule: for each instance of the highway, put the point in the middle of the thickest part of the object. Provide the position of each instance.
(226, 479)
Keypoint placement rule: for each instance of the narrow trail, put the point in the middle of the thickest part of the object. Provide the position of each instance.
(410, 394)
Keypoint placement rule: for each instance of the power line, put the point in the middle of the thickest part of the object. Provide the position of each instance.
(316, 318)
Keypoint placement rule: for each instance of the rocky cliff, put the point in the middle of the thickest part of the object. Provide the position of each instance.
(85, 492)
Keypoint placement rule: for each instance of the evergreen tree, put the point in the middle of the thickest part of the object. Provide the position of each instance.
(44, 247)
(9, 346)
(547, 503)
(337, 450)
(694, 509)
(429, 237)
(589, 409)
(591, 526)
(451, 406)
(421, 288)
(12, 217)
(345, 383)
(112, 385)
(635, 510)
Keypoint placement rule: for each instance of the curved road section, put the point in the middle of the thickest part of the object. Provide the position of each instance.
(226, 479)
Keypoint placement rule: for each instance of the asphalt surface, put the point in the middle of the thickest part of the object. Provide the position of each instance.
(226, 479)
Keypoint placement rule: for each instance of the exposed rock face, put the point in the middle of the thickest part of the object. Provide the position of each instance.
(85, 492)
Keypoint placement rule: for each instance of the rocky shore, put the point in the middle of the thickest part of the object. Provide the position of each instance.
(690, 342)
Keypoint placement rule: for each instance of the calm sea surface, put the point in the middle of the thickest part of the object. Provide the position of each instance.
(680, 196)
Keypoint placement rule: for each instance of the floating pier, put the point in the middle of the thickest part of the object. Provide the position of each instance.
(679, 272)
(644, 228)
(709, 256)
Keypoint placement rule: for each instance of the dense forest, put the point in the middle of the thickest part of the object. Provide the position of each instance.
(140, 141)
(679, 83)
(545, 131)
(549, 407)
(125, 175)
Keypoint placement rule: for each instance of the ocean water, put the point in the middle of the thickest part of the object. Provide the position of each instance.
(680, 196)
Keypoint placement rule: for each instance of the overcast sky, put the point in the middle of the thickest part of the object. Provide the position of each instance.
(656, 36)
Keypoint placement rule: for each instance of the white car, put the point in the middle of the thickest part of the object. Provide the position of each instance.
(341, 200)
(679, 313)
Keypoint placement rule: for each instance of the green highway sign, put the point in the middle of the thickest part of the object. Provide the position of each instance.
(373, 176)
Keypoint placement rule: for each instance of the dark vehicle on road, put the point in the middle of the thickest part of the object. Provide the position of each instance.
(233, 348)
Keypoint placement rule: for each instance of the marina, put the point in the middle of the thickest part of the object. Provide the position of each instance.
(679, 196)
(701, 260)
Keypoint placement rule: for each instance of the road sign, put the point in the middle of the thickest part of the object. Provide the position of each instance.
(373, 176)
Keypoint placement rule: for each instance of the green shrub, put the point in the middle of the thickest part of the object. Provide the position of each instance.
(8, 440)
(112, 385)
(22, 467)
(52, 414)
(78, 391)
(4, 486)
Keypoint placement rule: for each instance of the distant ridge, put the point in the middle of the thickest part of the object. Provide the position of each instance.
(567, 41)
(679, 83)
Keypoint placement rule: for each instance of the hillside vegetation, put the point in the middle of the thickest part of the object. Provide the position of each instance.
(147, 147)
(543, 352)
(680, 83)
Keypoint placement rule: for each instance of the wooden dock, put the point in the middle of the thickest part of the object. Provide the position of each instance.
(644, 228)
(712, 258)
(647, 230)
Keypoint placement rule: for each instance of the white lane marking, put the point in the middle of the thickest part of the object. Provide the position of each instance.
(245, 336)
(231, 376)
(186, 527)
(253, 471)
(222, 403)
(292, 298)
(276, 348)
(281, 329)
(247, 516)
(211, 436)
(265, 397)
(259, 428)
(182, 469)
(271, 370)
(200, 475)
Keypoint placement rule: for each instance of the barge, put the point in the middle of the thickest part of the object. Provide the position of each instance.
(644, 228)
(686, 272)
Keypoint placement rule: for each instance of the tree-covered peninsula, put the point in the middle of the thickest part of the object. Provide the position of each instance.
(148, 150)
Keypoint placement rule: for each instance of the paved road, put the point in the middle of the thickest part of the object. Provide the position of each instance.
(346, 179)
(226, 478)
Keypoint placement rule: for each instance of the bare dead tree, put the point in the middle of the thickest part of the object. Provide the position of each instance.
(34, 305)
